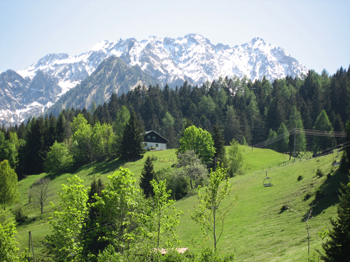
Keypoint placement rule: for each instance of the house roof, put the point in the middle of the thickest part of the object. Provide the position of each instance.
(152, 131)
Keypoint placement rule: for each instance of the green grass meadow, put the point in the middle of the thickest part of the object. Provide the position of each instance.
(255, 228)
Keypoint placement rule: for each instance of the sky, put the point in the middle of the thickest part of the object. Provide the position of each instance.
(315, 32)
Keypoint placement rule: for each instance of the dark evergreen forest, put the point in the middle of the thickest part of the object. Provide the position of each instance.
(249, 112)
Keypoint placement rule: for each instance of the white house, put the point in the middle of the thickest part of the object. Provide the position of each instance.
(155, 140)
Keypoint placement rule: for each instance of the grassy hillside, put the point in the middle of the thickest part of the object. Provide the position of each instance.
(255, 229)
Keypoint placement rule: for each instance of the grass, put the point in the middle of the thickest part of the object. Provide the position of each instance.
(254, 229)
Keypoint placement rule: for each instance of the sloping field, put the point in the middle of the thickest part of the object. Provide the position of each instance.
(254, 229)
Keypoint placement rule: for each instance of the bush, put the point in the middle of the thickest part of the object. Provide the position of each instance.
(300, 178)
(319, 173)
(20, 215)
(283, 208)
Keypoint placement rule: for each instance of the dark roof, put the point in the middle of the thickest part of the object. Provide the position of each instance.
(158, 139)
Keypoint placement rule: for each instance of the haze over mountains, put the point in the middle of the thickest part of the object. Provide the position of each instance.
(192, 58)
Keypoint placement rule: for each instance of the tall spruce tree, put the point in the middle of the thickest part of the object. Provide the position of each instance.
(322, 123)
(93, 243)
(337, 246)
(132, 142)
(219, 143)
(147, 176)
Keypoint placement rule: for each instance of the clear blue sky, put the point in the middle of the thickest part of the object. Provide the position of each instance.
(315, 32)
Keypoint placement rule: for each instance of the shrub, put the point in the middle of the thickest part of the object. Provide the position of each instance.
(20, 215)
(283, 208)
(300, 178)
(319, 173)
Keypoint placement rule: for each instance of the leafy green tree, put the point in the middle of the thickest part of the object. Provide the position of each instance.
(147, 176)
(322, 123)
(65, 243)
(192, 167)
(219, 143)
(198, 140)
(82, 145)
(345, 163)
(168, 129)
(103, 141)
(123, 117)
(210, 213)
(337, 246)
(132, 141)
(8, 184)
(164, 218)
(117, 207)
(8, 246)
(234, 159)
(282, 145)
(59, 159)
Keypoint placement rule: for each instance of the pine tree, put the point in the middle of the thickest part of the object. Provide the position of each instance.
(132, 142)
(218, 143)
(147, 176)
(93, 243)
(283, 143)
(323, 123)
(337, 247)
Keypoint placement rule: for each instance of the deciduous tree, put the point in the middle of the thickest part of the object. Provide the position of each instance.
(8, 184)
(198, 140)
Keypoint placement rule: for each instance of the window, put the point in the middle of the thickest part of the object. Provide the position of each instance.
(154, 137)
(156, 145)
(148, 136)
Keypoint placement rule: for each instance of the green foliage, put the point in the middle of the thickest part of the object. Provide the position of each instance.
(82, 145)
(8, 245)
(8, 184)
(147, 176)
(117, 208)
(219, 143)
(191, 167)
(234, 159)
(64, 243)
(336, 247)
(282, 145)
(322, 123)
(198, 140)
(210, 214)
(164, 218)
(131, 147)
(319, 173)
(59, 159)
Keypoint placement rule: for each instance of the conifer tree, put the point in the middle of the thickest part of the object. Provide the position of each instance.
(323, 123)
(147, 176)
(337, 246)
(132, 142)
(93, 243)
(218, 143)
(283, 143)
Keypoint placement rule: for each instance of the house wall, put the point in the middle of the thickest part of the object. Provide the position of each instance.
(161, 146)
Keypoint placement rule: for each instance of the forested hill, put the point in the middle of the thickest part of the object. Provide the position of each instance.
(244, 110)
(249, 112)
(111, 76)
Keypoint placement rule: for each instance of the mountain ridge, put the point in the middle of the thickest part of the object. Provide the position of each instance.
(192, 58)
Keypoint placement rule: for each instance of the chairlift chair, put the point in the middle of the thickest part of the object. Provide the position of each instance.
(267, 181)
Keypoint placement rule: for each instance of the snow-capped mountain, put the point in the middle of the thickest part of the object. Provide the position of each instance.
(192, 58)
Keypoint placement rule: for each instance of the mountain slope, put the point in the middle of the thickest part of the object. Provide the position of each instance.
(192, 58)
(112, 76)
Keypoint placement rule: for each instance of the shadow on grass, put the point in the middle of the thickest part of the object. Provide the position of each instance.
(92, 168)
(329, 192)
(101, 168)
